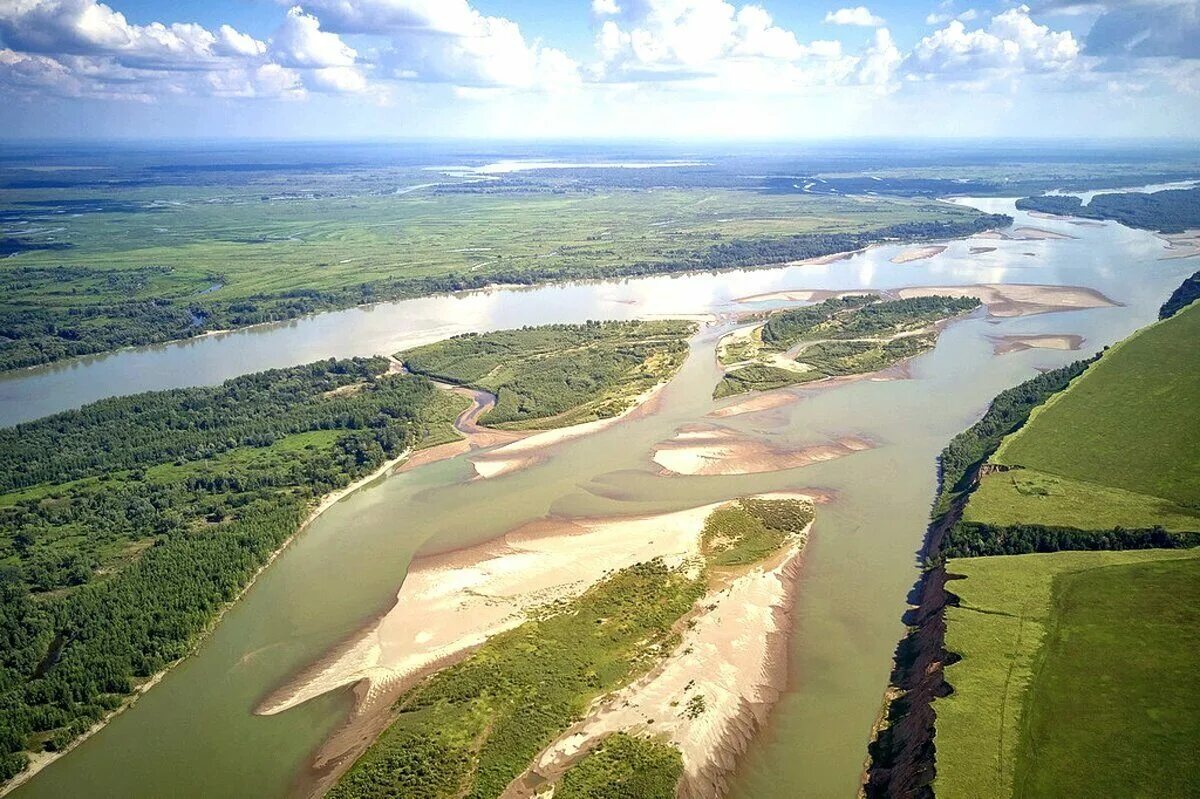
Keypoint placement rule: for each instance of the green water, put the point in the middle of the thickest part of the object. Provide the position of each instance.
(194, 735)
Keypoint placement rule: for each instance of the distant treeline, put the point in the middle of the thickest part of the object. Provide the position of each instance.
(1171, 211)
(126, 525)
(1187, 293)
(32, 336)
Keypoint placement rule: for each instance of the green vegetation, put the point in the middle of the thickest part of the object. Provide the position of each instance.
(558, 375)
(751, 530)
(1171, 211)
(473, 728)
(129, 523)
(849, 335)
(104, 266)
(1075, 677)
(624, 767)
(1187, 293)
(469, 730)
(1124, 433)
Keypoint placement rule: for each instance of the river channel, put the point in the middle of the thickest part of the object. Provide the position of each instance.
(194, 735)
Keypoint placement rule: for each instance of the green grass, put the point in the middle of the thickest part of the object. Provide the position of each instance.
(752, 529)
(1010, 632)
(624, 767)
(1129, 422)
(471, 729)
(1137, 629)
(1027, 496)
(558, 375)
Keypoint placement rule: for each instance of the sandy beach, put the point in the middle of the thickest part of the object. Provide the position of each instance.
(450, 604)
(1018, 343)
(1018, 299)
(730, 662)
(919, 254)
(713, 450)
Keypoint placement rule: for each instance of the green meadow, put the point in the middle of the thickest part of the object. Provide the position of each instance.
(1076, 677)
(1120, 447)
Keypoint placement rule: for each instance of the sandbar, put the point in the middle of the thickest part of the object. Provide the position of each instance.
(711, 450)
(1020, 343)
(1019, 299)
(919, 253)
(1182, 245)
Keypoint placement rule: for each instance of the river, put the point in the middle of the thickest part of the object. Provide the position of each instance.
(195, 734)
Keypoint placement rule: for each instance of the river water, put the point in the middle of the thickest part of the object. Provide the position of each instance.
(195, 734)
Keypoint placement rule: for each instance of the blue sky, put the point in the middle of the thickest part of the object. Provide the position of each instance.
(686, 69)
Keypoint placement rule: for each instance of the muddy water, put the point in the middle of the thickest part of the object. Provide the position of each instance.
(195, 735)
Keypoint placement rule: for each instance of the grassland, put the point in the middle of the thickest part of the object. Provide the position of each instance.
(558, 375)
(471, 729)
(137, 265)
(1076, 677)
(837, 337)
(1120, 447)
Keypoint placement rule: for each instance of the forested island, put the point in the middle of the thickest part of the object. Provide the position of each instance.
(1086, 476)
(838, 337)
(1169, 211)
(557, 375)
(130, 523)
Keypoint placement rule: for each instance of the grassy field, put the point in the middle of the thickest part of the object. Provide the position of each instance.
(471, 729)
(99, 269)
(558, 375)
(1076, 668)
(1119, 447)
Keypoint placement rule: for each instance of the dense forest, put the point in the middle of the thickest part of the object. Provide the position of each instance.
(1170, 211)
(129, 523)
(1187, 293)
(31, 336)
(568, 373)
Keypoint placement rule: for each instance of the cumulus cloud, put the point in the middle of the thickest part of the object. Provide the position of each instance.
(300, 42)
(1012, 44)
(449, 41)
(859, 15)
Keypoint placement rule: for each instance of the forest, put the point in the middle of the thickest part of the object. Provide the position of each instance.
(1187, 293)
(1170, 211)
(128, 524)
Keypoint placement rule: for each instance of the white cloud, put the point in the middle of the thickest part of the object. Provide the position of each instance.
(1011, 44)
(603, 8)
(859, 15)
(449, 41)
(300, 42)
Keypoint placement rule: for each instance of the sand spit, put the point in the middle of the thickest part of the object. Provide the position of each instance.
(449, 604)
(1018, 299)
(711, 696)
(1018, 343)
(531, 448)
(712, 450)
(803, 295)
(1182, 245)
(1037, 234)
(919, 254)
(981, 250)
(761, 402)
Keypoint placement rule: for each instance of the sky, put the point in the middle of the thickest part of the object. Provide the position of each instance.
(598, 69)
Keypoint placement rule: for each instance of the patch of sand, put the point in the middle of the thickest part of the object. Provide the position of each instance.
(452, 603)
(919, 254)
(760, 402)
(981, 250)
(531, 448)
(1018, 343)
(712, 450)
(1182, 245)
(803, 295)
(1018, 299)
(732, 656)
(1036, 234)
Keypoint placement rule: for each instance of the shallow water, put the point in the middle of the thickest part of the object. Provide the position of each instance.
(195, 735)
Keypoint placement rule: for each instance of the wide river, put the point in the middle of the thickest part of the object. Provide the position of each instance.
(194, 735)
